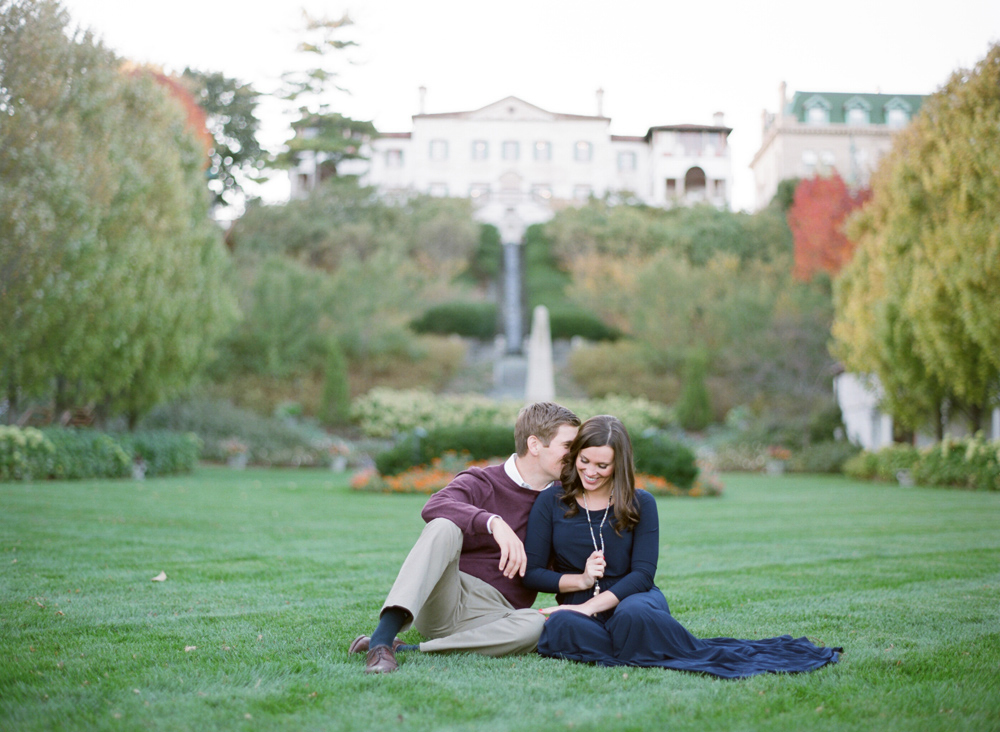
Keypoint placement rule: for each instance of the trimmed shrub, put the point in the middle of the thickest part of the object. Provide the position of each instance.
(475, 442)
(25, 453)
(967, 463)
(970, 463)
(862, 466)
(567, 321)
(71, 454)
(656, 454)
(469, 319)
(163, 452)
(823, 457)
(894, 458)
(86, 454)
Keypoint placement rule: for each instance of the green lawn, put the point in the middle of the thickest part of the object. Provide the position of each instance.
(270, 574)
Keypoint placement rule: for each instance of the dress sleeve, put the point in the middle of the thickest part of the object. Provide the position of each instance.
(645, 549)
(538, 545)
(461, 503)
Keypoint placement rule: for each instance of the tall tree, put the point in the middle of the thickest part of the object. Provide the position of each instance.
(110, 269)
(816, 218)
(320, 133)
(931, 243)
(235, 157)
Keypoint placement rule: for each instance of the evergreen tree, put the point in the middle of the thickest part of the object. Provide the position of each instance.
(336, 403)
(694, 408)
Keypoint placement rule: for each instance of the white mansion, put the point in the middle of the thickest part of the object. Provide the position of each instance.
(816, 133)
(520, 163)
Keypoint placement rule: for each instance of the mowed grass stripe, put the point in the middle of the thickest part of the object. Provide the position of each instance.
(271, 574)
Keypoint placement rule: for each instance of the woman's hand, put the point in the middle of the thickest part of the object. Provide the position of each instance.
(598, 604)
(594, 569)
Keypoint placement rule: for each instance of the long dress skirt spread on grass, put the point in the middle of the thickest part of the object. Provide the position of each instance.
(640, 631)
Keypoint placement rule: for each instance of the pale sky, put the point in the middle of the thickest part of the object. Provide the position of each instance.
(660, 62)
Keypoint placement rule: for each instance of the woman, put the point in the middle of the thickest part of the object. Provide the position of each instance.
(594, 541)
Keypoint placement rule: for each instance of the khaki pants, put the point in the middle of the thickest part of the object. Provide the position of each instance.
(457, 611)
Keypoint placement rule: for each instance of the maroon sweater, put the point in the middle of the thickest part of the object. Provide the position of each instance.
(468, 501)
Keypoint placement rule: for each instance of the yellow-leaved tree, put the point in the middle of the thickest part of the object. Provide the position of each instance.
(919, 305)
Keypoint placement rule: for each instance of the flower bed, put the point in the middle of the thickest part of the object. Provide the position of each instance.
(431, 478)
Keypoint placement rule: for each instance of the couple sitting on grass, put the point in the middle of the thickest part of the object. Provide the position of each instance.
(561, 515)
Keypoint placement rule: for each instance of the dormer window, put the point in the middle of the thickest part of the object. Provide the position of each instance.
(857, 116)
(896, 118)
(897, 113)
(817, 111)
(857, 111)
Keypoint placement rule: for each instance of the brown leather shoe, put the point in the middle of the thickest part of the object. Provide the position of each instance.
(361, 644)
(381, 660)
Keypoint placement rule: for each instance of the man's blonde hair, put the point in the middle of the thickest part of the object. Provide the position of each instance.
(543, 420)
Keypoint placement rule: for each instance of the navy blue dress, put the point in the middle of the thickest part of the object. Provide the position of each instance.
(640, 631)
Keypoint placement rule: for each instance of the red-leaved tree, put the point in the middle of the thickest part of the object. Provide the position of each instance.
(816, 218)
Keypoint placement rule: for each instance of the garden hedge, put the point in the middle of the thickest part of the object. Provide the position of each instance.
(971, 462)
(72, 454)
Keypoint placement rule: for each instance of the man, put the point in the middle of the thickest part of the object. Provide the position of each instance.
(460, 585)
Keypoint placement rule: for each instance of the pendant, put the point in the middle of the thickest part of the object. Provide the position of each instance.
(597, 588)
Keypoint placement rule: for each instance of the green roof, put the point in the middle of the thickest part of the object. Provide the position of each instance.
(839, 102)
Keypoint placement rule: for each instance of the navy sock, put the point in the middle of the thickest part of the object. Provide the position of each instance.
(408, 647)
(389, 624)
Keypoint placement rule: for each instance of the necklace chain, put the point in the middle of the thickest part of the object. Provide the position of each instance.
(600, 532)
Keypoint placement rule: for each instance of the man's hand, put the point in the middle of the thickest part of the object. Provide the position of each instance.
(513, 560)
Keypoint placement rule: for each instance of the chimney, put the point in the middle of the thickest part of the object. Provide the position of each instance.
(423, 100)
(782, 98)
(600, 102)
(719, 119)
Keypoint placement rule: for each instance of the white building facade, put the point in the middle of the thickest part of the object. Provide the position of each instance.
(817, 133)
(869, 427)
(519, 163)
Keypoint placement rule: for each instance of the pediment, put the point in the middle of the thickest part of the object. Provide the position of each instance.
(511, 109)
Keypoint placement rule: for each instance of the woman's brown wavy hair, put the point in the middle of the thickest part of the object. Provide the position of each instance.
(604, 430)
